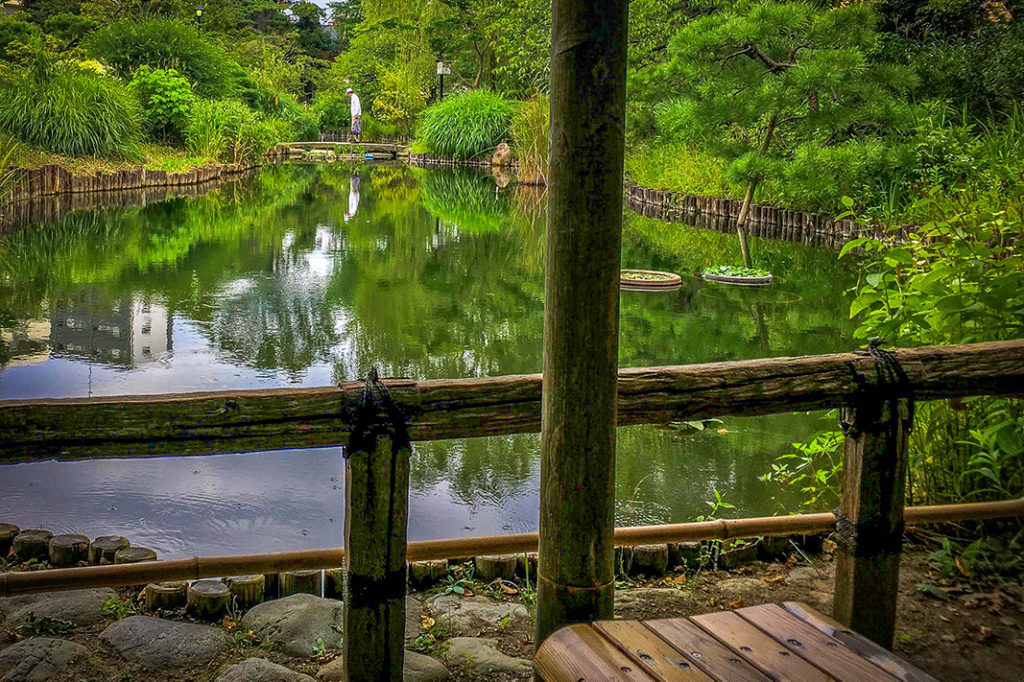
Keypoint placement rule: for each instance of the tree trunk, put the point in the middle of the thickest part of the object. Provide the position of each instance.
(741, 221)
(581, 313)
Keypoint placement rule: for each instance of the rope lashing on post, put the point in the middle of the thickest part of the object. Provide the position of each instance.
(894, 397)
(376, 415)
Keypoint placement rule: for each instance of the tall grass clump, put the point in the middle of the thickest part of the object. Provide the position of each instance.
(68, 110)
(467, 125)
(229, 131)
(531, 126)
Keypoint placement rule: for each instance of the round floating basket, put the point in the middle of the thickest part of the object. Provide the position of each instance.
(649, 280)
(738, 280)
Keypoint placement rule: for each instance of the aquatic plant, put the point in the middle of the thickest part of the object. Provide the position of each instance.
(531, 127)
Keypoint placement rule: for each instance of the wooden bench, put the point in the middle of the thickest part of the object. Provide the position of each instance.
(788, 641)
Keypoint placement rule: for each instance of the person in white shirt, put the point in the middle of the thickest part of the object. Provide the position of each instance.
(353, 197)
(357, 112)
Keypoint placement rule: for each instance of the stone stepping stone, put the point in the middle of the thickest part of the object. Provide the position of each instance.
(8, 531)
(103, 548)
(32, 544)
(81, 607)
(294, 624)
(40, 659)
(473, 615)
(261, 670)
(418, 668)
(480, 657)
(156, 643)
(67, 550)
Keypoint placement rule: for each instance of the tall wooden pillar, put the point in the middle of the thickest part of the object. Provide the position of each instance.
(376, 520)
(870, 527)
(581, 312)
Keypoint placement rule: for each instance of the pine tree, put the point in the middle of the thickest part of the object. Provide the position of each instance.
(765, 85)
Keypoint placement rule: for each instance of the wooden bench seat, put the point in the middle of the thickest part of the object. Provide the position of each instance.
(788, 641)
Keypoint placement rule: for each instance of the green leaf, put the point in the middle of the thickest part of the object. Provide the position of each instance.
(932, 591)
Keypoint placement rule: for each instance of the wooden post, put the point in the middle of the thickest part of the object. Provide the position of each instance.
(581, 312)
(376, 516)
(870, 520)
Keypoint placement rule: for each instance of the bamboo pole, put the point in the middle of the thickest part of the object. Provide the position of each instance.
(197, 567)
(581, 312)
(264, 419)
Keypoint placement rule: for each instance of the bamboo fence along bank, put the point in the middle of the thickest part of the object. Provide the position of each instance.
(379, 420)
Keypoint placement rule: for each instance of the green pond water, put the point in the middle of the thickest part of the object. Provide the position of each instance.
(293, 278)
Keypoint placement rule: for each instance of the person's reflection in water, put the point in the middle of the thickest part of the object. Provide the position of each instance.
(353, 197)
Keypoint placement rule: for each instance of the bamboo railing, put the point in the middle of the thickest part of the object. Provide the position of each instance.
(194, 568)
(875, 387)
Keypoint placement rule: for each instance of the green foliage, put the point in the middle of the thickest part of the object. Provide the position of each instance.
(778, 91)
(14, 32)
(958, 278)
(466, 126)
(815, 468)
(166, 100)
(230, 131)
(530, 128)
(66, 109)
(736, 271)
(69, 28)
(118, 609)
(333, 110)
(399, 99)
(128, 44)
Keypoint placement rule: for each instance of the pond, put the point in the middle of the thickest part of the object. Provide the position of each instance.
(288, 278)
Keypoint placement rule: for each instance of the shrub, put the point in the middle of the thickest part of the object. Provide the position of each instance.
(69, 110)
(166, 100)
(398, 100)
(374, 130)
(531, 127)
(332, 109)
(127, 45)
(467, 125)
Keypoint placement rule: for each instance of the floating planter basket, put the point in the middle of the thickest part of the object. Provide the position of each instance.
(731, 274)
(648, 279)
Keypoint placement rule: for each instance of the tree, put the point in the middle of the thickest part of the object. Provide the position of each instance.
(767, 85)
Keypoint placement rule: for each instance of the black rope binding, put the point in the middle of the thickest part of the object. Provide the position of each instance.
(870, 536)
(375, 415)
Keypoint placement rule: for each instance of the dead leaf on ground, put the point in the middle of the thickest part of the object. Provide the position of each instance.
(677, 580)
(774, 579)
(829, 547)
(228, 622)
(426, 621)
(960, 567)
(738, 604)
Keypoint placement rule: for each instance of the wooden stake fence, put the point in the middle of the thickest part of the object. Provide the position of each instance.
(264, 419)
(876, 385)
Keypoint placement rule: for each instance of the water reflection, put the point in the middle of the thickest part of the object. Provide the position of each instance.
(283, 279)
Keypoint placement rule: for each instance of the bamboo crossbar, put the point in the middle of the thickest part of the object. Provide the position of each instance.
(267, 419)
(13, 583)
